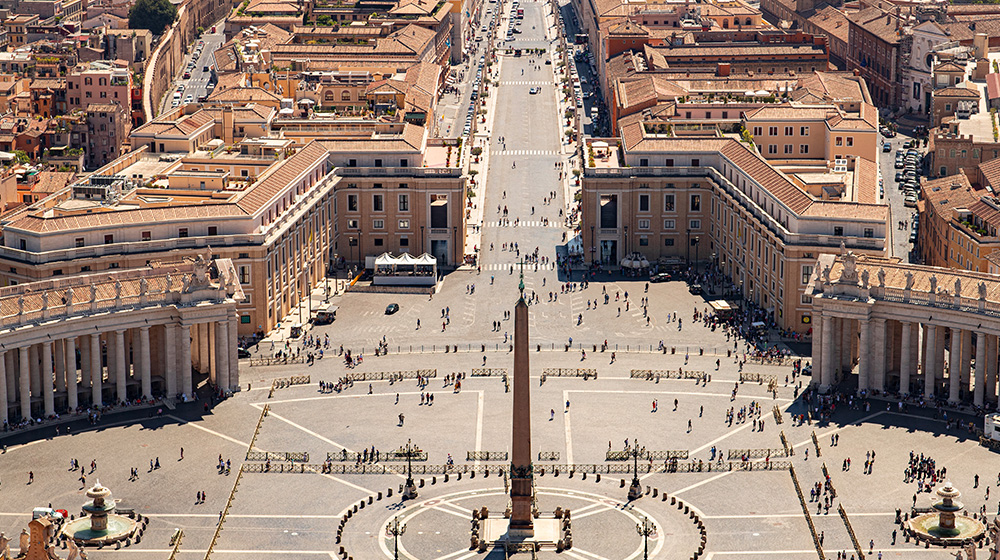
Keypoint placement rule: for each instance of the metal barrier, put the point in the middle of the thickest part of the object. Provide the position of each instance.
(488, 372)
(738, 454)
(570, 372)
(789, 450)
(989, 443)
(486, 455)
(777, 414)
(548, 455)
(379, 456)
(175, 543)
(392, 375)
(647, 455)
(293, 456)
(758, 377)
(603, 468)
(225, 510)
(657, 374)
(819, 452)
(805, 510)
(277, 361)
(256, 430)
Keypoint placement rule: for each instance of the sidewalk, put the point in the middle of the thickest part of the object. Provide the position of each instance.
(302, 313)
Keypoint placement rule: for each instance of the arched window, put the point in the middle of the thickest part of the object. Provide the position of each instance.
(749, 21)
(725, 24)
(345, 95)
(329, 95)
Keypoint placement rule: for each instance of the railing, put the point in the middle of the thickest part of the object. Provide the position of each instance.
(393, 375)
(789, 450)
(292, 456)
(488, 372)
(129, 248)
(667, 467)
(175, 543)
(399, 171)
(379, 456)
(657, 374)
(548, 455)
(738, 454)
(647, 455)
(569, 372)
(819, 452)
(805, 511)
(850, 531)
(486, 456)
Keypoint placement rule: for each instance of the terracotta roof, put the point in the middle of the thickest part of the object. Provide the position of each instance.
(48, 182)
(831, 21)
(243, 95)
(949, 66)
(835, 86)
(990, 170)
(775, 182)
(878, 22)
(184, 126)
(986, 211)
(790, 112)
(953, 191)
(896, 273)
(993, 85)
(98, 220)
(969, 92)
(279, 176)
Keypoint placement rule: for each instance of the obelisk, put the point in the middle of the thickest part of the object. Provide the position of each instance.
(521, 519)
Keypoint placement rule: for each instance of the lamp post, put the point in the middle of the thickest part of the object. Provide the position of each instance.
(696, 239)
(423, 249)
(645, 529)
(409, 489)
(396, 529)
(593, 246)
(687, 254)
(626, 242)
(635, 489)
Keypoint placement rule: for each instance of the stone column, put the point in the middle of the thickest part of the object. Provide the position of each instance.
(830, 360)
(966, 361)
(864, 356)
(954, 367)
(121, 372)
(878, 356)
(25, 381)
(846, 348)
(59, 353)
(147, 381)
(85, 374)
(33, 370)
(48, 395)
(184, 359)
(979, 389)
(96, 370)
(222, 354)
(818, 349)
(3, 388)
(213, 372)
(991, 368)
(906, 364)
(69, 360)
(234, 360)
(11, 367)
(170, 358)
(930, 362)
(204, 358)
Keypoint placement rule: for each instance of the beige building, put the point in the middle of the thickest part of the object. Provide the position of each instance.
(814, 132)
(714, 199)
(911, 330)
(155, 328)
(280, 212)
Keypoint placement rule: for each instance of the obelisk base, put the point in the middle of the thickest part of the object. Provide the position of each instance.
(544, 533)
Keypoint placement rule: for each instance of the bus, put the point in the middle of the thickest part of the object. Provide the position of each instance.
(581, 39)
(520, 13)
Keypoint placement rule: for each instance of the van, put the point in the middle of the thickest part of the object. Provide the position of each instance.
(296, 331)
(177, 96)
(325, 314)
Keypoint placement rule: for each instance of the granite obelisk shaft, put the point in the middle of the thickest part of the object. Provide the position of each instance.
(521, 519)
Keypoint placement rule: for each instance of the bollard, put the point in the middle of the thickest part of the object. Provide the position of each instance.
(585, 476)
(655, 491)
(370, 500)
(664, 498)
(571, 473)
(421, 483)
(673, 350)
(664, 349)
(459, 476)
(701, 351)
(380, 495)
(362, 504)
(595, 348)
(673, 500)
(434, 480)
(446, 477)
(472, 474)
(597, 477)
(538, 348)
(446, 348)
(621, 483)
(388, 493)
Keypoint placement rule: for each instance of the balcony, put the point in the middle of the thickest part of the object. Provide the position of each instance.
(398, 172)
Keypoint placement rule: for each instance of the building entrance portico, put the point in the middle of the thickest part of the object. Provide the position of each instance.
(905, 329)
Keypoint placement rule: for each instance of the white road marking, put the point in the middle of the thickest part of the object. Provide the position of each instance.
(706, 481)
(204, 429)
(569, 431)
(479, 424)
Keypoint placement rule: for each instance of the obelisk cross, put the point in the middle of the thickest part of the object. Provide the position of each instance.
(520, 285)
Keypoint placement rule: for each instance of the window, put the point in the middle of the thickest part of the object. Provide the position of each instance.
(869, 232)
(404, 224)
(85, 268)
(404, 241)
(643, 241)
(379, 241)
(404, 162)
(182, 232)
(669, 162)
(378, 162)
(377, 203)
(803, 131)
(803, 148)
(772, 130)
(668, 203)
(758, 130)
(643, 224)
(789, 130)
(352, 203)
(378, 224)
(404, 203)
(213, 230)
(850, 141)
(838, 231)
(244, 256)
(244, 272)
(643, 162)
(109, 239)
(788, 148)
(79, 242)
(839, 141)
(668, 242)
(696, 203)
(694, 224)
(695, 162)
(807, 299)
(245, 319)
(807, 272)
(668, 224)
(352, 224)
(114, 265)
(772, 148)
(644, 203)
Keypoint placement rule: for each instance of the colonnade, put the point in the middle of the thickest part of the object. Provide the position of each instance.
(70, 372)
(909, 357)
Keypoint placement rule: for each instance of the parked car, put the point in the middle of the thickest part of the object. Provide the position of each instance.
(391, 308)
(242, 353)
(887, 132)
(910, 200)
(661, 277)
(887, 147)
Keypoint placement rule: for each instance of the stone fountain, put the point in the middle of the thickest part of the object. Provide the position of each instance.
(102, 525)
(946, 526)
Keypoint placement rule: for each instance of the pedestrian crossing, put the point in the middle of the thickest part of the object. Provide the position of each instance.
(524, 153)
(524, 83)
(524, 223)
(505, 267)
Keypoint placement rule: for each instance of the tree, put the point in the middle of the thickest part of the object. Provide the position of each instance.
(153, 15)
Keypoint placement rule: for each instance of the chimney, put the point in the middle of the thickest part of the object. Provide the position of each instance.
(723, 69)
(227, 125)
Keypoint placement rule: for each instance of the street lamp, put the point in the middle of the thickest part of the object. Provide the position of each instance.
(626, 241)
(687, 255)
(395, 529)
(635, 489)
(409, 489)
(645, 529)
(593, 246)
(696, 239)
(422, 248)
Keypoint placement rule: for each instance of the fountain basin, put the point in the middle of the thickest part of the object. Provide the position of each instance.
(927, 527)
(119, 528)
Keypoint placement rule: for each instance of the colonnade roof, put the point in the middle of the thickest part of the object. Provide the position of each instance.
(894, 274)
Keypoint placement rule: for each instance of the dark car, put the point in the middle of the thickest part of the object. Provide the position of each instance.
(242, 353)
(695, 288)
(391, 308)
(661, 277)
